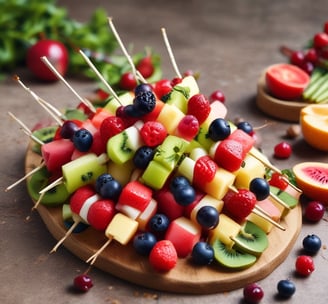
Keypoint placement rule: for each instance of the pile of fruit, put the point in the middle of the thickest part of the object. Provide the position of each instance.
(161, 167)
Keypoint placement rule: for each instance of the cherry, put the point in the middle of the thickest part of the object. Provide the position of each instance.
(304, 265)
(311, 55)
(145, 67)
(282, 150)
(217, 95)
(307, 67)
(320, 40)
(297, 58)
(128, 81)
(83, 282)
(253, 293)
(314, 211)
(325, 27)
(162, 88)
(188, 127)
(56, 53)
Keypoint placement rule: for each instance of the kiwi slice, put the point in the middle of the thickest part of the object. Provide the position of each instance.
(45, 135)
(251, 239)
(231, 257)
(288, 199)
(53, 197)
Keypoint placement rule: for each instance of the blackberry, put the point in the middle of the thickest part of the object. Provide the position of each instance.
(144, 102)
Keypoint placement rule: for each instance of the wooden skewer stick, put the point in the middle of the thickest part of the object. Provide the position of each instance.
(55, 114)
(93, 258)
(92, 66)
(67, 234)
(169, 49)
(26, 129)
(25, 177)
(275, 169)
(55, 183)
(36, 205)
(118, 38)
(59, 76)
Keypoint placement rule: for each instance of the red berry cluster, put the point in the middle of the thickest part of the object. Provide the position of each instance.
(311, 57)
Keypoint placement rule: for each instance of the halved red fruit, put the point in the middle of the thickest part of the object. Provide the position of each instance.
(286, 81)
(312, 179)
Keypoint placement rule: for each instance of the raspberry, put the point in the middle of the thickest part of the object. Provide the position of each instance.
(163, 257)
(199, 106)
(153, 133)
(304, 265)
(188, 127)
(111, 126)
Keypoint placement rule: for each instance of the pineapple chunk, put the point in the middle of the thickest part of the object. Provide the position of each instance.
(169, 117)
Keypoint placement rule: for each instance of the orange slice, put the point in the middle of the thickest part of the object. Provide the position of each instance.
(314, 125)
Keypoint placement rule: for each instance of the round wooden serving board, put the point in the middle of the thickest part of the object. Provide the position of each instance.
(125, 263)
(282, 109)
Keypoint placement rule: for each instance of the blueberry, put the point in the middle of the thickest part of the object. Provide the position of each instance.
(143, 87)
(132, 111)
(184, 195)
(219, 129)
(202, 253)
(144, 242)
(260, 187)
(82, 140)
(311, 244)
(286, 288)
(159, 223)
(208, 217)
(143, 156)
(245, 126)
(108, 187)
(177, 182)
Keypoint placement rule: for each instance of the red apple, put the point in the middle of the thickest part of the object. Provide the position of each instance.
(56, 53)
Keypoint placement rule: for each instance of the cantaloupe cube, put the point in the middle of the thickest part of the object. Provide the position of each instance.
(251, 169)
(225, 231)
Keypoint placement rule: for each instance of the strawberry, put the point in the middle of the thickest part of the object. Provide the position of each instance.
(239, 204)
(199, 106)
(163, 257)
(204, 171)
(153, 133)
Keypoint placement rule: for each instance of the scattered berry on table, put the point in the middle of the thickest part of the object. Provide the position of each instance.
(314, 211)
(253, 293)
(286, 288)
(304, 265)
(83, 282)
(282, 150)
(311, 244)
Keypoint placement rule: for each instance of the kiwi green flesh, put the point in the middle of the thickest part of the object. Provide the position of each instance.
(290, 200)
(53, 197)
(45, 135)
(231, 257)
(251, 239)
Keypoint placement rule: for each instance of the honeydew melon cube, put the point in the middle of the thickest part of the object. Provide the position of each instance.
(202, 136)
(220, 184)
(170, 151)
(251, 168)
(121, 147)
(225, 231)
(191, 83)
(179, 98)
(121, 228)
(82, 171)
(170, 117)
(125, 99)
(155, 175)
(186, 168)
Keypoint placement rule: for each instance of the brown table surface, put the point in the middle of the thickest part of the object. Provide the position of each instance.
(229, 43)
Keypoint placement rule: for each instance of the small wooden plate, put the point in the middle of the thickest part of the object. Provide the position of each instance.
(125, 263)
(277, 108)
